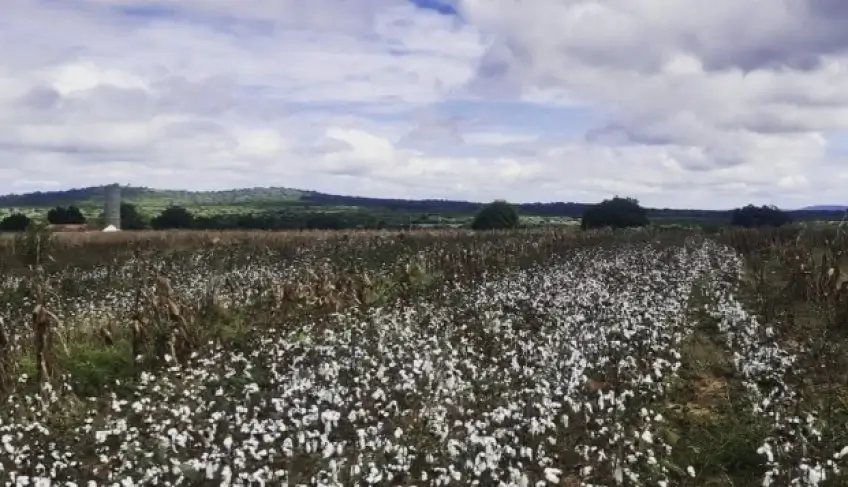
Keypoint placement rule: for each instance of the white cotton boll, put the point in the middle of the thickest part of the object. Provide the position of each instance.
(766, 450)
(101, 436)
(814, 475)
(7, 445)
(691, 471)
(767, 479)
(552, 475)
(226, 475)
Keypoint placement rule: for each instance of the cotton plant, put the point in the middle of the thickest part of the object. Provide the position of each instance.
(761, 359)
(545, 375)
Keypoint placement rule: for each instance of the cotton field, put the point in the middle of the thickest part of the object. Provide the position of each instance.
(524, 360)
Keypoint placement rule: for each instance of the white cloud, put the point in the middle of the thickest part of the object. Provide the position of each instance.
(83, 76)
(261, 143)
(374, 98)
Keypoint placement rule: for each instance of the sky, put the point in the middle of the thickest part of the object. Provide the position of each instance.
(679, 104)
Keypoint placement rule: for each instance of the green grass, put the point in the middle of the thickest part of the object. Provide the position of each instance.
(93, 369)
(707, 421)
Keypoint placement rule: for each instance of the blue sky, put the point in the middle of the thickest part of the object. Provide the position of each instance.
(443, 7)
(551, 100)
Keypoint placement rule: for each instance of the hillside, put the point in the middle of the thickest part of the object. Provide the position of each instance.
(825, 208)
(248, 200)
(94, 196)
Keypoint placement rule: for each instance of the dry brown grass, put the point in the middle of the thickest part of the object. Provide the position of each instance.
(194, 236)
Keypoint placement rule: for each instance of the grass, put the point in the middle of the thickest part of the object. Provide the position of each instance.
(704, 424)
(710, 424)
(96, 368)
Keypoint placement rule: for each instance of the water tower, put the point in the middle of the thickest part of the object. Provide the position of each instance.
(112, 206)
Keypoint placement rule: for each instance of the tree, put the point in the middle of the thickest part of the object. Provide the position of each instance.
(751, 216)
(615, 213)
(16, 222)
(497, 215)
(75, 216)
(131, 219)
(57, 215)
(173, 217)
(65, 216)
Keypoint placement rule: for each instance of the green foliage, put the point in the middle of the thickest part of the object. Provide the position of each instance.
(131, 219)
(497, 215)
(16, 222)
(94, 196)
(61, 215)
(721, 444)
(173, 217)
(293, 220)
(92, 368)
(751, 216)
(615, 213)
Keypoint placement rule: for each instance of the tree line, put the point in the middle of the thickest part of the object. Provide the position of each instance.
(621, 212)
(617, 212)
(178, 217)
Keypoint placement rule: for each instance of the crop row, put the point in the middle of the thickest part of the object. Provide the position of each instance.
(480, 361)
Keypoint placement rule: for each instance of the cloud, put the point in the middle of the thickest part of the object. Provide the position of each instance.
(719, 94)
(525, 100)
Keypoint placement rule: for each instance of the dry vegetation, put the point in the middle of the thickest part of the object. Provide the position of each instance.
(548, 357)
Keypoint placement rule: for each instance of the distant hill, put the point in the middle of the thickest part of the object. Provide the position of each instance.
(94, 196)
(277, 197)
(825, 208)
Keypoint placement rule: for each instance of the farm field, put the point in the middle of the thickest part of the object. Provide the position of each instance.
(535, 357)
